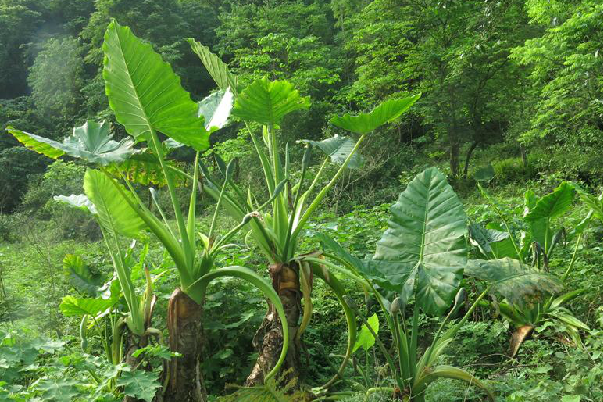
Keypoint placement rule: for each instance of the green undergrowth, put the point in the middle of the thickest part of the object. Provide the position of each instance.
(548, 367)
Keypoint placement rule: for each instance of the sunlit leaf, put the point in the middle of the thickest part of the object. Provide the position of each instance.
(365, 339)
(386, 112)
(338, 149)
(72, 306)
(114, 211)
(77, 201)
(144, 92)
(91, 142)
(216, 109)
(267, 102)
(139, 384)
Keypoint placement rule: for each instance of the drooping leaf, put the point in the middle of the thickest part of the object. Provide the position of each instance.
(216, 109)
(386, 112)
(267, 102)
(145, 168)
(483, 237)
(484, 174)
(554, 204)
(338, 149)
(139, 384)
(517, 282)
(77, 201)
(144, 92)
(72, 306)
(423, 248)
(91, 142)
(215, 67)
(80, 275)
(365, 339)
(114, 212)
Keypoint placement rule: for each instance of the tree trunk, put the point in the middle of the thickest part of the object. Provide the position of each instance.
(468, 158)
(268, 339)
(186, 338)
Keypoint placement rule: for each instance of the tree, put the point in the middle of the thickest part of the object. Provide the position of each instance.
(55, 77)
(565, 66)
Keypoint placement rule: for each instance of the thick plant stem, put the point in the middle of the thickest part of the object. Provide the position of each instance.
(269, 338)
(186, 338)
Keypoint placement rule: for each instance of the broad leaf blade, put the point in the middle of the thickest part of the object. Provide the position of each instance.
(114, 212)
(365, 339)
(139, 384)
(215, 67)
(554, 204)
(91, 142)
(80, 275)
(386, 112)
(424, 243)
(216, 109)
(71, 306)
(79, 201)
(267, 102)
(517, 282)
(338, 149)
(144, 92)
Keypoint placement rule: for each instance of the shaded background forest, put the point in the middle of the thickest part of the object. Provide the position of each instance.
(515, 84)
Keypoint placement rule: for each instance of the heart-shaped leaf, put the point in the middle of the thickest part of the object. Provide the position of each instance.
(91, 142)
(338, 149)
(144, 92)
(267, 102)
(216, 109)
(386, 112)
(114, 211)
(72, 306)
(423, 250)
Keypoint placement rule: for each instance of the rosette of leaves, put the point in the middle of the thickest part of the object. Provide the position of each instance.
(420, 258)
(281, 218)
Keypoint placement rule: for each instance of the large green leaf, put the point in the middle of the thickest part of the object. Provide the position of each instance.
(216, 109)
(72, 306)
(91, 142)
(554, 204)
(114, 212)
(215, 67)
(79, 201)
(145, 168)
(338, 148)
(484, 237)
(139, 384)
(80, 275)
(267, 102)
(423, 250)
(386, 112)
(517, 282)
(365, 339)
(144, 92)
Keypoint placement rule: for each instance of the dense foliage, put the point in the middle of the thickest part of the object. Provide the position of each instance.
(212, 157)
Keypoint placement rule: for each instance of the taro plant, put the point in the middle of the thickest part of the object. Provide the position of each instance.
(420, 258)
(284, 216)
(530, 253)
(147, 99)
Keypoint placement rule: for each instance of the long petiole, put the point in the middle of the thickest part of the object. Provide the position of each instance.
(188, 253)
(326, 189)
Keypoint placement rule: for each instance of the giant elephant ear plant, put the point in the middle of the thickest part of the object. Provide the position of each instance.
(421, 258)
(528, 255)
(278, 229)
(147, 99)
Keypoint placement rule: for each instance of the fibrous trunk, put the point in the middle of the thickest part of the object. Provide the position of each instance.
(268, 340)
(184, 324)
